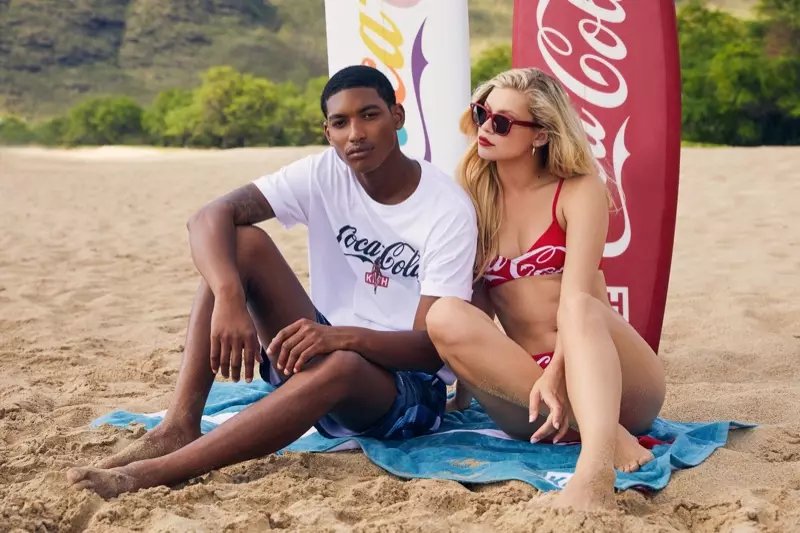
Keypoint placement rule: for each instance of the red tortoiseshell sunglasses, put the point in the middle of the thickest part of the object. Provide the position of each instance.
(501, 124)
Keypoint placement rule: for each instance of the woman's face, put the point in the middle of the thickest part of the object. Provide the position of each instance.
(493, 144)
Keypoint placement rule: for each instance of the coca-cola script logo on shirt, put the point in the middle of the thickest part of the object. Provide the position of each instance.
(398, 258)
(597, 84)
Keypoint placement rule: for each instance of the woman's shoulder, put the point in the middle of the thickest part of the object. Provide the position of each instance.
(585, 185)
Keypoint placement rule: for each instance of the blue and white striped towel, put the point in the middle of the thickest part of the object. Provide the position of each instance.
(469, 448)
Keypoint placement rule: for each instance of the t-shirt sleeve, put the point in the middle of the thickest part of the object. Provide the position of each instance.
(449, 258)
(289, 191)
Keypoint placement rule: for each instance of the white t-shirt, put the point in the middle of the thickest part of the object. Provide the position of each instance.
(422, 246)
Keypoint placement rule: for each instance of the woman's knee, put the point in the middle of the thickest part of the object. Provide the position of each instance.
(446, 321)
(580, 310)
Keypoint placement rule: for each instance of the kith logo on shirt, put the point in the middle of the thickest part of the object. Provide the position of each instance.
(376, 279)
(399, 258)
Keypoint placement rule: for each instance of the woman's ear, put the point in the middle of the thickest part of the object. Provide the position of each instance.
(541, 138)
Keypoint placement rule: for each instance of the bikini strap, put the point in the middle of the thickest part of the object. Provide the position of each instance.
(555, 199)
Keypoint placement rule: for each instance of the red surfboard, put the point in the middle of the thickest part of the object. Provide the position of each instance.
(618, 59)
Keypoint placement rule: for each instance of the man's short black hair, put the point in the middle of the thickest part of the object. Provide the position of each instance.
(356, 77)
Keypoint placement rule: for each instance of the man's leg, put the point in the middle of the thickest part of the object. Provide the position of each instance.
(343, 380)
(275, 299)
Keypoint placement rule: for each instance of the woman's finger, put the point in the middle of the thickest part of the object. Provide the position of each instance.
(563, 431)
(533, 406)
(556, 411)
(545, 430)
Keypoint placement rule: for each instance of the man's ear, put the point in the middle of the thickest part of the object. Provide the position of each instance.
(399, 116)
(326, 131)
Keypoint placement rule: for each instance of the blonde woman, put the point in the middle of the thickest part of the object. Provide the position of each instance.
(566, 365)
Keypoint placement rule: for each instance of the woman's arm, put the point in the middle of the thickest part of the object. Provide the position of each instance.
(586, 213)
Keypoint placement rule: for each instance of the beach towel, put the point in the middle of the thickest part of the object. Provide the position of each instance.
(469, 448)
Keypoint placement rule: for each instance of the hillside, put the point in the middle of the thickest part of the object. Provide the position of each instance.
(53, 53)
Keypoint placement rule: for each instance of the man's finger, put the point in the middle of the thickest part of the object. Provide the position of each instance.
(256, 343)
(308, 352)
(249, 360)
(295, 353)
(215, 354)
(236, 360)
(282, 335)
(224, 357)
(286, 348)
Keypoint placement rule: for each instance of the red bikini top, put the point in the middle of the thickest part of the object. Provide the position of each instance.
(544, 258)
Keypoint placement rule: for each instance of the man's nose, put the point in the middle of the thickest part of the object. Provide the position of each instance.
(357, 132)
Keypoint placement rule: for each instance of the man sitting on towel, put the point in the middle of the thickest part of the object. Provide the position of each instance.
(387, 236)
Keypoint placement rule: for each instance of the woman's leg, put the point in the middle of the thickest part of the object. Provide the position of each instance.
(500, 373)
(493, 368)
(612, 377)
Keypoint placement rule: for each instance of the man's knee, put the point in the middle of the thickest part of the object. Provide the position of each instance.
(253, 246)
(342, 369)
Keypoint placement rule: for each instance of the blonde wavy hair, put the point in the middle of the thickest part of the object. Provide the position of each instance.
(566, 154)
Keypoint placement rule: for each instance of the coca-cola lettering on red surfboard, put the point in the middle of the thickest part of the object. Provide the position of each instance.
(618, 59)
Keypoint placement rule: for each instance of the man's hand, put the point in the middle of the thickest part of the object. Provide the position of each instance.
(303, 340)
(233, 339)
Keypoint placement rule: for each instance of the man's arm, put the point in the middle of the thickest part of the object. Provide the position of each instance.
(397, 350)
(480, 298)
(212, 236)
(446, 271)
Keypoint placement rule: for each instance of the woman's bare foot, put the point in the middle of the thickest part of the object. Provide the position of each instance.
(586, 492)
(107, 483)
(161, 440)
(629, 454)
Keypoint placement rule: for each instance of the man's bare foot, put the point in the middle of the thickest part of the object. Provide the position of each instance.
(157, 442)
(107, 483)
(588, 492)
(629, 454)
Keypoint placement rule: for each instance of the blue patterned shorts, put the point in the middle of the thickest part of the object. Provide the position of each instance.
(417, 410)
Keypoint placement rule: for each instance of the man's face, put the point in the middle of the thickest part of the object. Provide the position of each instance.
(362, 128)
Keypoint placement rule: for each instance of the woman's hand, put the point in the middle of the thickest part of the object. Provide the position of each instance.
(550, 389)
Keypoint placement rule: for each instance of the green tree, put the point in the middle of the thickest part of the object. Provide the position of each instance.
(51, 133)
(489, 63)
(232, 110)
(702, 33)
(154, 120)
(786, 12)
(300, 113)
(14, 130)
(105, 120)
(736, 90)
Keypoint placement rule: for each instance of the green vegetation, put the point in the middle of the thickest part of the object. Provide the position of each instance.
(740, 76)
(57, 53)
(229, 110)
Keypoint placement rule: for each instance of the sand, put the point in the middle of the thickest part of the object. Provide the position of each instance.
(96, 283)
